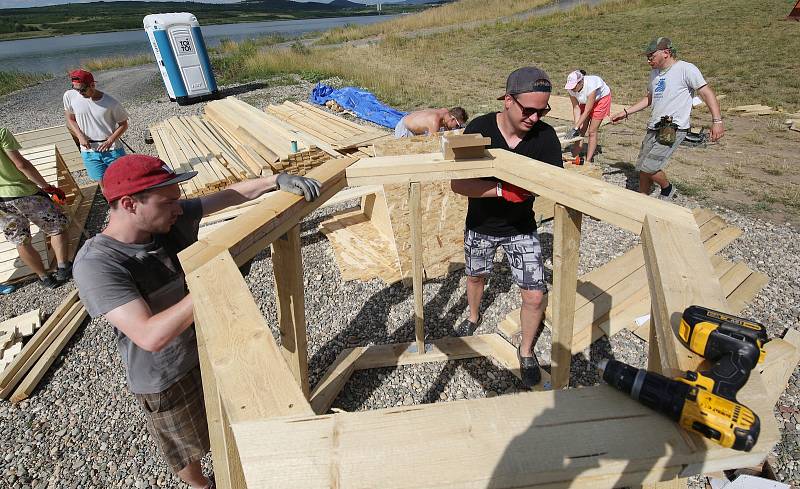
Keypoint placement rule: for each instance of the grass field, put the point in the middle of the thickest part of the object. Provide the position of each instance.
(11, 81)
(743, 52)
(112, 62)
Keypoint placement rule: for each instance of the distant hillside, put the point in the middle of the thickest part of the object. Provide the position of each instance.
(81, 18)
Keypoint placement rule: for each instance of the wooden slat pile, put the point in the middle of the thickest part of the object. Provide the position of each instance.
(58, 135)
(616, 296)
(12, 334)
(193, 144)
(26, 370)
(328, 130)
(53, 169)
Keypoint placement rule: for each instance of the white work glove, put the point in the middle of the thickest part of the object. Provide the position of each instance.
(307, 187)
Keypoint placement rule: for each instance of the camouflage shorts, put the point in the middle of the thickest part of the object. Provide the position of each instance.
(523, 251)
(17, 214)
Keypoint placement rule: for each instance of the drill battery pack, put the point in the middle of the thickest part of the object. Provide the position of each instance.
(712, 333)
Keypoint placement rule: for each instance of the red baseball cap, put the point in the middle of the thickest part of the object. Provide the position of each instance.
(82, 76)
(134, 173)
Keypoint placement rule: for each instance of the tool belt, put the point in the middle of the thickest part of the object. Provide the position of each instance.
(666, 131)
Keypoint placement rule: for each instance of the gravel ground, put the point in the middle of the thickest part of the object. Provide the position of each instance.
(81, 428)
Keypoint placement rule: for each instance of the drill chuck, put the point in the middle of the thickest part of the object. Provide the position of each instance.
(651, 389)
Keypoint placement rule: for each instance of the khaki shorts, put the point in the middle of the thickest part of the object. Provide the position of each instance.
(176, 419)
(17, 214)
(654, 156)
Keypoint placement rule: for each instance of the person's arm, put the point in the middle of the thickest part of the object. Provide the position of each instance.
(474, 187)
(118, 132)
(152, 332)
(587, 111)
(246, 190)
(576, 110)
(710, 99)
(640, 105)
(434, 123)
(27, 169)
(72, 124)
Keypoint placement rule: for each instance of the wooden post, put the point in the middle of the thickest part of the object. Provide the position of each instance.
(415, 208)
(566, 246)
(227, 465)
(288, 267)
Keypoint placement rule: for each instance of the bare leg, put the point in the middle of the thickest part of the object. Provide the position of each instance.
(192, 474)
(60, 244)
(31, 258)
(530, 318)
(593, 126)
(475, 287)
(660, 178)
(645, 182)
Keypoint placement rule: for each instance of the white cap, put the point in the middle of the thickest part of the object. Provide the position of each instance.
(573, 79)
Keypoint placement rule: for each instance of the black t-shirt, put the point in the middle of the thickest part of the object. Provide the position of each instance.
(495, 216)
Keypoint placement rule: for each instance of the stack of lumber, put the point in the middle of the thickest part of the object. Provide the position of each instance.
(53, 169)
(328, 130)
(12, 334)
(758, 109)
(616, 296)
(58, 135)
(26, 370)
(192, 144)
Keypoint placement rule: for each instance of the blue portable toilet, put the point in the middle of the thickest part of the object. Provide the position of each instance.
(181, 56)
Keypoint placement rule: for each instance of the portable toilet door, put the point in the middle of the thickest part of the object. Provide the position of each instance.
(181, 56)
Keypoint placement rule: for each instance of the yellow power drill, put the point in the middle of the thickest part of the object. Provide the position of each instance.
(703, 402)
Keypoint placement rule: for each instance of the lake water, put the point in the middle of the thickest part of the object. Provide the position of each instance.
(58, 54)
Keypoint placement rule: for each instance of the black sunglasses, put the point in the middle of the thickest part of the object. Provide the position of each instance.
(529, 111)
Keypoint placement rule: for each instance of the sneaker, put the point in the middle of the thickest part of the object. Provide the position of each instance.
(669, 196)
(529, 370)
(467, 327)
(64, 274)
(50, 282)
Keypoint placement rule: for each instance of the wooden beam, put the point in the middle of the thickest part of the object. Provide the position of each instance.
(251, 232)
(254, 380)
(290, 302)
(334, 379)
(416, 263)
(415, 168)
(566, 247)
(609, 203)
(596, 437)
(679, 274)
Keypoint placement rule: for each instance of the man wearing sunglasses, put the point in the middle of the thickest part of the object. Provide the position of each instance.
(501, 214)
(430, 121)
(97, 120)
(673, 85)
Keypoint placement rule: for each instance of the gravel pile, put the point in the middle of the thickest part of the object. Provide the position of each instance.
(82, 428)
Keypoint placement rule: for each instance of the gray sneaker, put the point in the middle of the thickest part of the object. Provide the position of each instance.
(50, 282)
(467, 327)
(64, 274)
(529, 370)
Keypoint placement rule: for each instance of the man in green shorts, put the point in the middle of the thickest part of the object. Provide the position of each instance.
(24, 199)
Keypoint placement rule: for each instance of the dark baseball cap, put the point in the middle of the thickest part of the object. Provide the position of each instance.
(524, 80)
(135, 173)
(657, 44)
(81, 76)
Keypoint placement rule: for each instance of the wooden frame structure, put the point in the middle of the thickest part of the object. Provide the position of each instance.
(268, 430)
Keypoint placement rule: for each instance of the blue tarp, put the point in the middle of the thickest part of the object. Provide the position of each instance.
(362, 103)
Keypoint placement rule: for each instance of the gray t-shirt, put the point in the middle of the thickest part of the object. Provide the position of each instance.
(110, 274)
(98, 119)
(672, 92)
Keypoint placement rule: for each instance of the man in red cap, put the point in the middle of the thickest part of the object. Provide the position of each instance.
(97, 120)
(130, 274)
(501, 214)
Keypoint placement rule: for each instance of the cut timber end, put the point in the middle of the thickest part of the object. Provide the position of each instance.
(464, 146)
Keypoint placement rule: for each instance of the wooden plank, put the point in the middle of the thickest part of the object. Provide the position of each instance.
(780, 361)
(334, 379)
(252, 231)
(416, 260)
(745, 292)
(37, 344)
(607, 202)
(679, 274)
(420, 165)
(251, 374)
(566, 247)
(287, 265)
(37, 371)
(596, 437)
(24, 324)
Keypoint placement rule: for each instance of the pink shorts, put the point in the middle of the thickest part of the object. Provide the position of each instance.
(601, 109)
